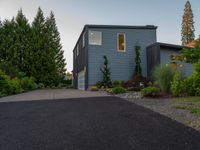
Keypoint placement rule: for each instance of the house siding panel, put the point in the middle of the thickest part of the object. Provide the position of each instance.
(120, 63)
(165, 59)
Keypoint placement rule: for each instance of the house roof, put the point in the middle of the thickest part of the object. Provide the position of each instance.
(167, 45)
(121, 26)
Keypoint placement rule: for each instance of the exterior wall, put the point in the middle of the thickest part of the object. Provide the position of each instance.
(80, 61)
(165, 59)
(153, 59)
(120, 63)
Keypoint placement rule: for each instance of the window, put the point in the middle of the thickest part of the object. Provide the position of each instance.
(121, 43)
(77, 49)
(83, 40)
(95, 38)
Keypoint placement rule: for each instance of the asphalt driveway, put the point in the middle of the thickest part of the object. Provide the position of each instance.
(100, 123)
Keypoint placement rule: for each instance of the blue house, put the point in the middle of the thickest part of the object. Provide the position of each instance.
(117, 43)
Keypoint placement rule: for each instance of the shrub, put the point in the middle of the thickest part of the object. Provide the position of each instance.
(15, 86)
(28, 83)
(99, 84)
(150, 91)
(118, 83)
(94, 88)
(188, 87)
(136, 84)
(164, 76)
(118, 90)
(176, 85)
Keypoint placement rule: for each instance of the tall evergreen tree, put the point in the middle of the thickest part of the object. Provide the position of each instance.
(22, 48)
(187, 25)
(55, 49)
(39, 55)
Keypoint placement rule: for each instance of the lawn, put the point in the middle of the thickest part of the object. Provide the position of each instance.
(190, 103)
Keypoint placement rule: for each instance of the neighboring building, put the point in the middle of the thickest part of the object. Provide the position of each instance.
(117, 43)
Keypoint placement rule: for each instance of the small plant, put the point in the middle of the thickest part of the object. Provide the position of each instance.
(164, 76)
(176, 85)
(117, 83)
(94, 88)
(118, 90)
(106, 74)
(150, 91)
(99, 84)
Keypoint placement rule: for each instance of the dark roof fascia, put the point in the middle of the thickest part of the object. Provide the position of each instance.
(84, 29)
(167, 45)
(122, 27)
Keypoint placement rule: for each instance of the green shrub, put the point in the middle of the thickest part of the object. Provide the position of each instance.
(94, 88)
(118, 90)
(117, 83)
(188, 87)
(99, 84)
(176, 85)
(150, 91)
(28, 83)
(15, 86)
(164, 75)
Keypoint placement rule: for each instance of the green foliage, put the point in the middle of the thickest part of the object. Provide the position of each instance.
(118, 90)
(34, 50)
(163, 75)
(28, 83)
(187, 25)
(106, 74)
(176, 85)
(99, 84)
(94, 88)
(138, 69)
(117, 83)
(150, 91)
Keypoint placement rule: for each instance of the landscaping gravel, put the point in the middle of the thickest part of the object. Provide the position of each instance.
(165, 107)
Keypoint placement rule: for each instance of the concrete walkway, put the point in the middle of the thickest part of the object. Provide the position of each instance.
(51, 94)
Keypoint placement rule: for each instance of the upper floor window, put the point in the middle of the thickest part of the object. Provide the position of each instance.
(121, 42)
(83, 40)
(77, 49)
(95, 38)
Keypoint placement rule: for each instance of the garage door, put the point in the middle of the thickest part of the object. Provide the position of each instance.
(81, 80)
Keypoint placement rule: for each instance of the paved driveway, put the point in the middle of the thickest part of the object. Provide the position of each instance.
(100, 123)
(51, 94)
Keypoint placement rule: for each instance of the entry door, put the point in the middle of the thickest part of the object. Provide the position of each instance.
(81, 80)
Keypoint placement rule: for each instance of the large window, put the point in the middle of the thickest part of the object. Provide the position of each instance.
(83, 40)
(95, 38)
(121, 42)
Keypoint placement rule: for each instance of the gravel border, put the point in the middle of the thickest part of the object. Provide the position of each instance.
(165, 107)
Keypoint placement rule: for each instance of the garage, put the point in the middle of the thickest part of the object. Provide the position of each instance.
(81, 80)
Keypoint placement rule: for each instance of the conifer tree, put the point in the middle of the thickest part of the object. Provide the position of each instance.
(39, 55)
(187, 25)
(138, 69)
(22, 48)
(106, 74)
(55, 49)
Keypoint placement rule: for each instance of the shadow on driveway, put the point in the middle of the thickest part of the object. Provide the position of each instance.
(101, 123)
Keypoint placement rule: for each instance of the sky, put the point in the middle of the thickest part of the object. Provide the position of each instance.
(72, 15)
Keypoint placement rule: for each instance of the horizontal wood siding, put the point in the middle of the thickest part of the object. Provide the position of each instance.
(166, 59)
(120, 63)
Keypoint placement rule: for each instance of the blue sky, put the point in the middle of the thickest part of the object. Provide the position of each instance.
(72, 15)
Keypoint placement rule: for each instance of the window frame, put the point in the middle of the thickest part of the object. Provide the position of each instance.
(101, 39)
(77, 49)
(118, 42)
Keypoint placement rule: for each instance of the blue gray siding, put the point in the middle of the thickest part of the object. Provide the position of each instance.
(121, 63)
(166, 59)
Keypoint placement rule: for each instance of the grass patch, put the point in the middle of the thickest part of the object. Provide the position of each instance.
(190, 103)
